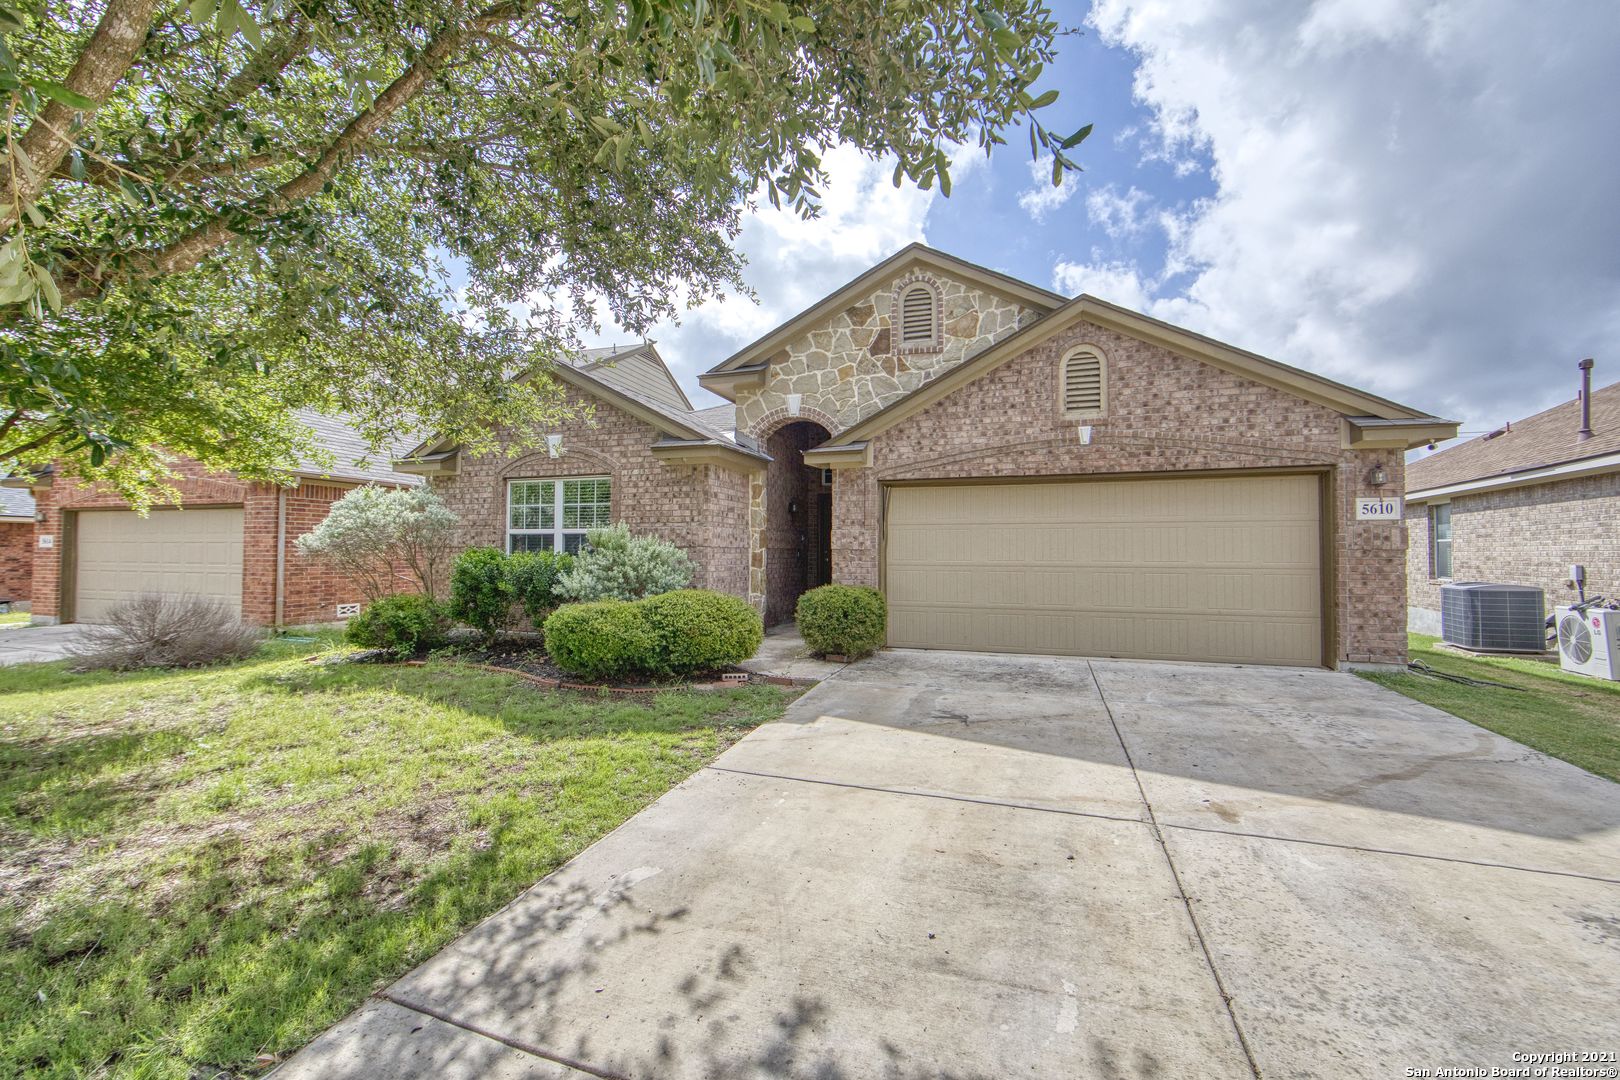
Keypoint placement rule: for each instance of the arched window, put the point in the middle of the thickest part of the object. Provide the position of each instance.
(918, 318)
(1084, 383)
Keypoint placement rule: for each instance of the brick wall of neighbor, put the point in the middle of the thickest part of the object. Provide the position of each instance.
(1521, 536)
(689, 505)
(17, 563)
(1165, 413)
(312, 591)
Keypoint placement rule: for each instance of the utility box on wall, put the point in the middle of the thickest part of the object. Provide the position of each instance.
(1493, 618)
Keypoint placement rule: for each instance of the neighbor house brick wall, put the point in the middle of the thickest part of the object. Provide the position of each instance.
(1521, 536)
(686, 504)
(312, 589)
(196, 485)
(16, 562)
(1165, 413)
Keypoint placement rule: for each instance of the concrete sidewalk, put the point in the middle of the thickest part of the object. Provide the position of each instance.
(984, 866)
(30, 644)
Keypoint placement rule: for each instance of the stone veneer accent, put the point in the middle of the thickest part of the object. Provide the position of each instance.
(1166, 413)
(848, 368)
(701, 508)
(1521, 536)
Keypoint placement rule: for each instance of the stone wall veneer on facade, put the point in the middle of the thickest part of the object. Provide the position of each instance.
(848, 368)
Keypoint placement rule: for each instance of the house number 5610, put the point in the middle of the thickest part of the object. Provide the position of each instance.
(1378, 509)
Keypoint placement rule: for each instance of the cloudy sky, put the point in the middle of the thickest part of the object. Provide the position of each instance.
(1422, 199)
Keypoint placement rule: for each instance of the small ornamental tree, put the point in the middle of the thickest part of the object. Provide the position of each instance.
(615, 565)
(373, 532)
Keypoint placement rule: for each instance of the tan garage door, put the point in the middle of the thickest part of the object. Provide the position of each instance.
(1225, 569)
(122, 555)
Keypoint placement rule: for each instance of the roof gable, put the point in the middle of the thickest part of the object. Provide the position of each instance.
(1350, 402)
(1547, 438)
(639, 369)
(907, 259)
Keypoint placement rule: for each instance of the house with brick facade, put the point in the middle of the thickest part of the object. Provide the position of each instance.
(1016, 470)
(16, 548)
(228, 538)
(1519, 506)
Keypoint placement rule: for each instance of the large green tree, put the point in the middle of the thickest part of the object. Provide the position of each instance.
(216, 213)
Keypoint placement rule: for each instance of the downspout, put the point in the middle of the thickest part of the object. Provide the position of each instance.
(281, 554)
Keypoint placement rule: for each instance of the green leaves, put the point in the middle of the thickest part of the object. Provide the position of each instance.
(59, 93)
(570, 159)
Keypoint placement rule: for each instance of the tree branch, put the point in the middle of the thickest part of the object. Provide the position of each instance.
(117, 40)
(189, 250)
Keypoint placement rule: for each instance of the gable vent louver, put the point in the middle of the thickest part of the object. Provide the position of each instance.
(1083, 384)
(917, 316)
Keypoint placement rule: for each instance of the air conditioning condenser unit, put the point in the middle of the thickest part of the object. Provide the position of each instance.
(1589, 642)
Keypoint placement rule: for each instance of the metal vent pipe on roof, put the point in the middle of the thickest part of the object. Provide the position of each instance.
(1586, 400)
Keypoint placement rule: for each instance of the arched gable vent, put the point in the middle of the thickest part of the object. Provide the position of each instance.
(1085, 383)
(919, 317)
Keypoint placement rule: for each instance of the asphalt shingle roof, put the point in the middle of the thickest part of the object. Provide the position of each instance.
(16, 502)
(1547, 438)
(352, 458)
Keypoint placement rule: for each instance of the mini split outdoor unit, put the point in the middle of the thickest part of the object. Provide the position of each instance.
(1493, 618)
(1589, 642)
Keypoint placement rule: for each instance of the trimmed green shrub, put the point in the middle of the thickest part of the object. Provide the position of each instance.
(481, 590)
(403, 624)
(618, 566)
(603, 640)
(533, 576)
(849, 620)
(699, 630)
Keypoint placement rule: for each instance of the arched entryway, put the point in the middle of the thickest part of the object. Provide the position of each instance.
(798, 519)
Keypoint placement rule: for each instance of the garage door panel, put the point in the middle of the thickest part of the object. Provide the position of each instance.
(121, 555)
(1208, 569)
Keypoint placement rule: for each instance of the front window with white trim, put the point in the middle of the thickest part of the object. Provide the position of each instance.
(552, 515)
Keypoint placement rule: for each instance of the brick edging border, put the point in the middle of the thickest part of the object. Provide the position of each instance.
(629, 691)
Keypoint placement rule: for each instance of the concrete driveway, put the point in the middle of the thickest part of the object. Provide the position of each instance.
(30, 644)
(951, 865)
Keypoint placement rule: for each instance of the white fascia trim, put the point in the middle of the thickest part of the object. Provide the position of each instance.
(1543, 475)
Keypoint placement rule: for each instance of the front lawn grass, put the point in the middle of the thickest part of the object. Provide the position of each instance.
(201, 870)
(13, 618)
(1568, 716)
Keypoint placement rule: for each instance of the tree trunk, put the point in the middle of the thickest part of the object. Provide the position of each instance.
(112, 48)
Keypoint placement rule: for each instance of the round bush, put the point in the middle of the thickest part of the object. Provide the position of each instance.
(848, 620)
(480, 591)
(700, 630)
(404, 625)
(603, 640)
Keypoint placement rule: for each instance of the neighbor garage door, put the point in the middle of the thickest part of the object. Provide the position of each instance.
(1225, 569)
(122, 555)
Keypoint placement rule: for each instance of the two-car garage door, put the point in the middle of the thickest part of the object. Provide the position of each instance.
(1226, 569)
(121, 555)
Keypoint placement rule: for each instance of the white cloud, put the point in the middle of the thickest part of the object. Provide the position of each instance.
(1118, 215)
(1417, 198)
(1042, 197)
(1119, 283)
